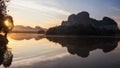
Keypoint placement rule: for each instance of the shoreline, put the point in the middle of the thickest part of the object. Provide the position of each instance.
(71, 36)
(82, 36)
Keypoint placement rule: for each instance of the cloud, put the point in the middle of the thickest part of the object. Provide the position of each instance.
(39, 7)
(115, 8)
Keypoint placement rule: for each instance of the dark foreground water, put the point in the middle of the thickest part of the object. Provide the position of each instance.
(34, 51)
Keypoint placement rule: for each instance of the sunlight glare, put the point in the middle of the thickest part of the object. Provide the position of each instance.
(8, 24)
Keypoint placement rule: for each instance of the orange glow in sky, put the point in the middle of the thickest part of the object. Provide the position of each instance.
(49, 13)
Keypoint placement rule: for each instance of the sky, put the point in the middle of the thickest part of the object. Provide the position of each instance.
(49, 13)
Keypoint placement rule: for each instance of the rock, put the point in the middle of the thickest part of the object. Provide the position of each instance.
(83, 18)
(82, 24)
(108, 21)
(83, 15)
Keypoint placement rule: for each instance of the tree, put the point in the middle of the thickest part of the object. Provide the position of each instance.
(6, 21)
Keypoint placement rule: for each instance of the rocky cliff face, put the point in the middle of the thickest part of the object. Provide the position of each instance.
(84, 19)
(81, 18)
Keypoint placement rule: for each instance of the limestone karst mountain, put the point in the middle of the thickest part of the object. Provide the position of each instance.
(83, 24)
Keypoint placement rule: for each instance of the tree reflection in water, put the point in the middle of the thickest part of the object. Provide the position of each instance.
(83, 46)
(5, 53)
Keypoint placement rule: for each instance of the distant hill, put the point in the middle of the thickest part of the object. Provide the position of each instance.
(28, 29)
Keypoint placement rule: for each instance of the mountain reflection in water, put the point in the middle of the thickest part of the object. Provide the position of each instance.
(80, 46)
(25, 36)
(83, 46)
(38, 51)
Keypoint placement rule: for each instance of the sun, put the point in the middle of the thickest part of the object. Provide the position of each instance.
(8, 23)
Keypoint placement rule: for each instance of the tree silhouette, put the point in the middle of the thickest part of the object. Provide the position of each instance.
(5, 27)
(6, 55)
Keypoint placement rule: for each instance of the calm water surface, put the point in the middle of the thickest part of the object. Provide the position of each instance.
(35, 51)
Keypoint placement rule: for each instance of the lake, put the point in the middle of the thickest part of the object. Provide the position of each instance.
(37, 51)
